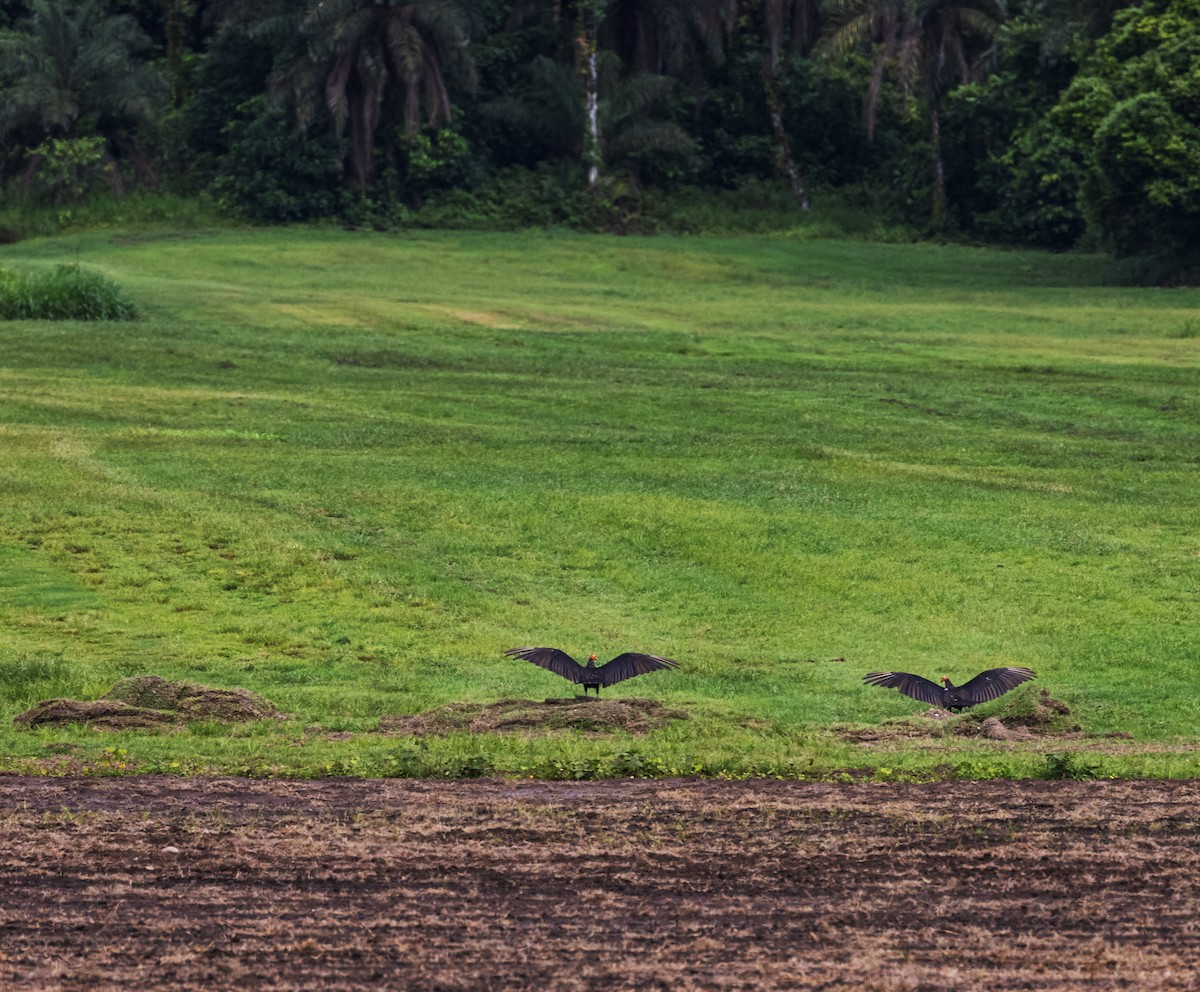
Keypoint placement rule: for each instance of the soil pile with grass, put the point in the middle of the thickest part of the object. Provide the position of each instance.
(509, 716)
(1023, 716)
(1027, 715)
(103, 714)
(150, 702)
(193, 702)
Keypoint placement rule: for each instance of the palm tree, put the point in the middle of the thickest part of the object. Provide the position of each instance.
(644, 41)
(72, 69)
(175, 14)
(783, 27)
(364, 56)
(555, 113)
(929, 46)
(588, 14)
(797, 22)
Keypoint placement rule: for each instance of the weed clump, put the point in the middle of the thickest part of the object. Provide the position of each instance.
(67, 292)
(1066, 765)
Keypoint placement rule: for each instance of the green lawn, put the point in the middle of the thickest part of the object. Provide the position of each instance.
(347, 470)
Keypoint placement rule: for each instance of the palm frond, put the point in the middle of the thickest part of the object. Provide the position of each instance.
(437, 97)
(856, 32)
(981, 23)
(367, 53)
(70, 63)
(650, 137)
(641, 91)
(297, 85)
(277, 28)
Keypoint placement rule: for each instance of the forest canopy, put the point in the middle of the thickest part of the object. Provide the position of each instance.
(1049, 123)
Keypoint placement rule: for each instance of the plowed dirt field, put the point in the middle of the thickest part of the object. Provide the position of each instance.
(169, 883)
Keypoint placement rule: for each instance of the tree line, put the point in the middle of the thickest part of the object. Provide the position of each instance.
(1034, 122)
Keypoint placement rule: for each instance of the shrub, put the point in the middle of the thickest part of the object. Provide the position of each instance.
(1135, 108)
(65, 293)
(68, 169)
(273, 173)
(516, 198)
(1036, 183)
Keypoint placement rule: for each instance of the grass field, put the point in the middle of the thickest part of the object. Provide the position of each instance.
(347, 470)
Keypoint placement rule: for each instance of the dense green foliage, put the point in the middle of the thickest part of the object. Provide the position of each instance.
(65, 292)
(72, 70)
(1050, 124)
(1135, 108)
(322, 469)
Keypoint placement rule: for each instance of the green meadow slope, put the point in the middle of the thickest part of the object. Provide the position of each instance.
(347, 470)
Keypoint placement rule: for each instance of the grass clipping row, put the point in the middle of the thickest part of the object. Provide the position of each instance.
(147, 702)
(584, 714)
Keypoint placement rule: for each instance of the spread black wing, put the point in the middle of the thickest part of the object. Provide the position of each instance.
(559, 662)
(627, 665)
(912, 686)
(993, 684)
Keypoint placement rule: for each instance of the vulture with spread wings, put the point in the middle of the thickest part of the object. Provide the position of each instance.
(992, 684)
(622, 667)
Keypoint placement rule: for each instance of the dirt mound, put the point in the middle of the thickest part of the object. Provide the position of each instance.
(583, 713)
(896, 730)
(149, 702)
(993, 728)
(1027, 715)
(193, 702)
(103, 714)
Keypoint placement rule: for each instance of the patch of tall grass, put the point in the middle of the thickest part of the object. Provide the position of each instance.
(23, 218)
(66, 292)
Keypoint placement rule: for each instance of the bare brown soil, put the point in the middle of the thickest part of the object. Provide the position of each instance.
(161, 883)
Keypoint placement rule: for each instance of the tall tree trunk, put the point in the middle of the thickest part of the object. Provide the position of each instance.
(939, 170)
(362, 142)
(783, 145)
(112, 174)
(173, 14)
(593, 116)
(586, 42)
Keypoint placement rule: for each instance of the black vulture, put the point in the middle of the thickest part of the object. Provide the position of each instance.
(992, 684)
(622, 667)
